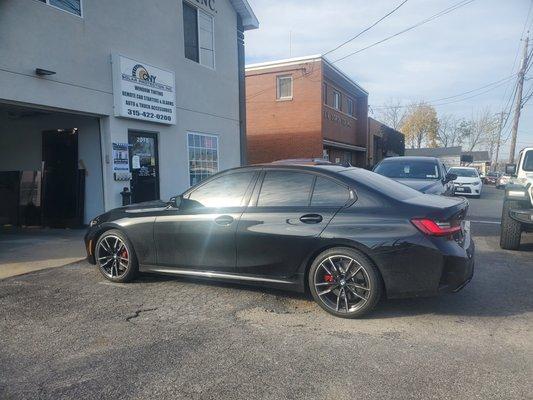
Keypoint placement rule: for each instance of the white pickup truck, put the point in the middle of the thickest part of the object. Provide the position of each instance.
(517, 214)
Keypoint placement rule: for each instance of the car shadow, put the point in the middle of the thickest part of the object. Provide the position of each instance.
(483, 297)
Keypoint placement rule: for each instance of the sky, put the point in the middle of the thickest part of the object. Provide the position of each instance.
(466, 49)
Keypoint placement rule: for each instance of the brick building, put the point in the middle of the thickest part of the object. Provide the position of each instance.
(383, 141)
(305, 108)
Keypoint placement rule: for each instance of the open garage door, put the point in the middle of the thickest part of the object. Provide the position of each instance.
(50, 167)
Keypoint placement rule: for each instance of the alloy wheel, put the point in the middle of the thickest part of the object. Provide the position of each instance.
(113, 256)
(342, 284)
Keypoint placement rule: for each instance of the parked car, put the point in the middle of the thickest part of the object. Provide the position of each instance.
(517, 212)
(425, 174)
(502, 181)
(344, 234)
(468, 182)
(491, 178)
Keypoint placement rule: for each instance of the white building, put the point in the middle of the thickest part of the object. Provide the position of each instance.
(93, 93)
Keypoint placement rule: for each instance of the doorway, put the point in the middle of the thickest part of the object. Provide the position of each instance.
(63, 185)
(144, 164)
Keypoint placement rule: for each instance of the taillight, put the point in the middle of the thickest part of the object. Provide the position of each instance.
(432, 228)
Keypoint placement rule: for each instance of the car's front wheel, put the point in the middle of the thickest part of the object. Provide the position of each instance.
(115, 257)
(344, 282)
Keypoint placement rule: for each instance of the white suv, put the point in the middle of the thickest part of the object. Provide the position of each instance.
(517, 214)
(468, 182)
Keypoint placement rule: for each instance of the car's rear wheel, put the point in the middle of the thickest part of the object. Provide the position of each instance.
(344, 282)
(115, 257)
(511, 230)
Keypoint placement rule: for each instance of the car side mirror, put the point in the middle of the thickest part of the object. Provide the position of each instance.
(175, 202)
(450, 177)
(510, 169)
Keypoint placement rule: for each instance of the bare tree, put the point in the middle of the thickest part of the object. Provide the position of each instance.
(450, 133)
(482, 131)
(392, 113)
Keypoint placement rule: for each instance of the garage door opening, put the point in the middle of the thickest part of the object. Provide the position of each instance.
(50, 168)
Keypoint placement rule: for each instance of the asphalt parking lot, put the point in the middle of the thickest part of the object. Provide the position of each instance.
(66, 333)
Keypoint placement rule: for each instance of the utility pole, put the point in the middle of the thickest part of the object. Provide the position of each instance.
(518, 104)
(498, 142)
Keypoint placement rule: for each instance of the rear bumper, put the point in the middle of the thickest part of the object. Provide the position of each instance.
(457, 271)
(430, 267)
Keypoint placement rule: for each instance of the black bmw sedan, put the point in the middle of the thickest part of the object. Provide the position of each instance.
(346, 235)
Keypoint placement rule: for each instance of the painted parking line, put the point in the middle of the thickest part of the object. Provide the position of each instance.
(486, 222)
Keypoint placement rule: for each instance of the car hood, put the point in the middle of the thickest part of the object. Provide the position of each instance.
(423, 185)
(465, 179)
(145, 206)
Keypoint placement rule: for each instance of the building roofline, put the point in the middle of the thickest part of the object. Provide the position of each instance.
(243, 8)
(282, 63)
(298, 60)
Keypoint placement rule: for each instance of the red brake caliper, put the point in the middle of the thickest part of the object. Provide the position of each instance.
(328, 278)
(124, 254)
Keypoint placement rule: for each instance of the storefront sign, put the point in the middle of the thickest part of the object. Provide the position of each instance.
(142, 91)
(336, 118)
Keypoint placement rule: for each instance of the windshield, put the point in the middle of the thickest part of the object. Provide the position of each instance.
(381, 184)
(464, 172)
(408, 169)
(528, 161)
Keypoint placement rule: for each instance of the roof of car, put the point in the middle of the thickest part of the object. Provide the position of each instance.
(463, 168)
(410, 158)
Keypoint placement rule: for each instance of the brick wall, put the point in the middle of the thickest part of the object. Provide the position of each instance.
(284, 129)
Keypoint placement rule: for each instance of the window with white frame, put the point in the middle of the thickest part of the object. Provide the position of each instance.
(284, 87)
(198, 32)
(71, 6)
(336, 100)
(203, 156)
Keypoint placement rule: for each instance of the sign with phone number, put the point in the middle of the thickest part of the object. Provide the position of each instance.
(142, 91)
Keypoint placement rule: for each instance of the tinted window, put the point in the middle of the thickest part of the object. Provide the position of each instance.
(329, 193)
(409, 169)
(464, 172)
(190, 32)
(226, 191)
(381, 184)
(284, 188)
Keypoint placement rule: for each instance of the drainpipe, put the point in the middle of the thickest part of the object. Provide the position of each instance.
(242, 90)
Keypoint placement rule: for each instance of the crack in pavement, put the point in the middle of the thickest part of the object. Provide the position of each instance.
(138, 312)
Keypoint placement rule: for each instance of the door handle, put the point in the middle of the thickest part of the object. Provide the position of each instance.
(311, 218)
(224, 220)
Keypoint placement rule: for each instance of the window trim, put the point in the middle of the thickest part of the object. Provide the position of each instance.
(278, 95)
(253, 202)
(47, 3)
(350, 103)
(337, 105)
(198, 10)
(188, 154)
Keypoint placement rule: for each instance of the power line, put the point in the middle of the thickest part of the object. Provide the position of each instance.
(435, 102)
(339, 46)
(425, 21)
(366, 29)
